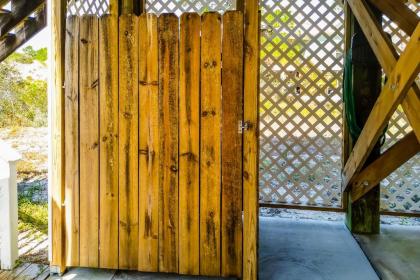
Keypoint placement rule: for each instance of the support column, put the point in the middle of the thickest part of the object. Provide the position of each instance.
(363, 216)
(57, 19)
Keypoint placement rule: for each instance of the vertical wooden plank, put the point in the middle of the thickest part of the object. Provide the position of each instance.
(127, 7)
(89, 142)
(113, 8)
(108, 131)
(250, 150)
(232, 114)
(71, 144)
(57, 12)
(189, 144)
(148, 144)
(128, 142)
(168, 134)
(210, 163)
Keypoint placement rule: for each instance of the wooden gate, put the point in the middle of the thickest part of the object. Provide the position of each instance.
(153, 168)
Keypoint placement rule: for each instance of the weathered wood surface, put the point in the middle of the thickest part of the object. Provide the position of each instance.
(108, 134)
(161, 188)
(149, 171)
(128, 142)
(210, 159)
(89, 141)
(26, 30)
(384, 165)
(250, 149)
(26, 271)
(71, 118)
(189, 144)
(387, 57)
(56, 165)
(363, 216)
(397, 85)
(20, 10)
(399, 13)
(168, 134)
(232, 114)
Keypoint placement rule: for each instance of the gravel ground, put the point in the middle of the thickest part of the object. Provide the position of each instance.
(32, 144)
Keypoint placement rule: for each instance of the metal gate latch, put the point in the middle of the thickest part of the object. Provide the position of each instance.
(242, 126)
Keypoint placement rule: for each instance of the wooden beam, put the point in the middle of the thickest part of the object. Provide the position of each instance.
(250, 140)
(394, 91)
(387, 57)
(21, 9)
(30, 27)
(57, 14)
(399, 13)
(389, 161)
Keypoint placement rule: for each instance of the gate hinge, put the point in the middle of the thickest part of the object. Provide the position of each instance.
(244, 125)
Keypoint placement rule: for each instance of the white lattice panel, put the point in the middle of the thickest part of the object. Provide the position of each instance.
(178, 7)
(401, 190)
(301, 101)
(87, 7)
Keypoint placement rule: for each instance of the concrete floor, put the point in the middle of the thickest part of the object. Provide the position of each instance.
(395, 252)
(307, 249)
(289, 249)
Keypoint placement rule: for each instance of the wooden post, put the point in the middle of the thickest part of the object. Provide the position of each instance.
(132, 6)
(57, 11)
(250, 140)
(363, 215)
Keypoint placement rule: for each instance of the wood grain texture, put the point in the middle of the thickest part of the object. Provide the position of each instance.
(363, 216)
(384, 165)
(108, 150)
(232, 114)
(128, 142)
(71, 145)
(210, 150)
(149, 171)
(56, 166)
(189, 144)
(168, 135)
(387, 57)
(250, 150)
(89, 141)
(399, 13)
(399, 81)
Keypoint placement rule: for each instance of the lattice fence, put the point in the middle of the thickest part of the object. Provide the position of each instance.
(100, 7)
(301, 102)
(87, 7)
(178, 7)
(401, 190)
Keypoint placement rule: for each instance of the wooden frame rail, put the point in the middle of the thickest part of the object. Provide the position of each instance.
(398, 12)
(387, 57)
(399, 81)
(388, 162)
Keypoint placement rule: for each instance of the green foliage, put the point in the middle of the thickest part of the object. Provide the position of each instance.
(23, 101)
(33, 216)
(29, 55)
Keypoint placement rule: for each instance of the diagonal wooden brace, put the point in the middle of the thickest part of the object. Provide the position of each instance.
(387, 57)
(387, 163)
(398, 12)
(394, 91)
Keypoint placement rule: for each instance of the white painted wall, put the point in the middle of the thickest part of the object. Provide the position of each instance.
(8, 206)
